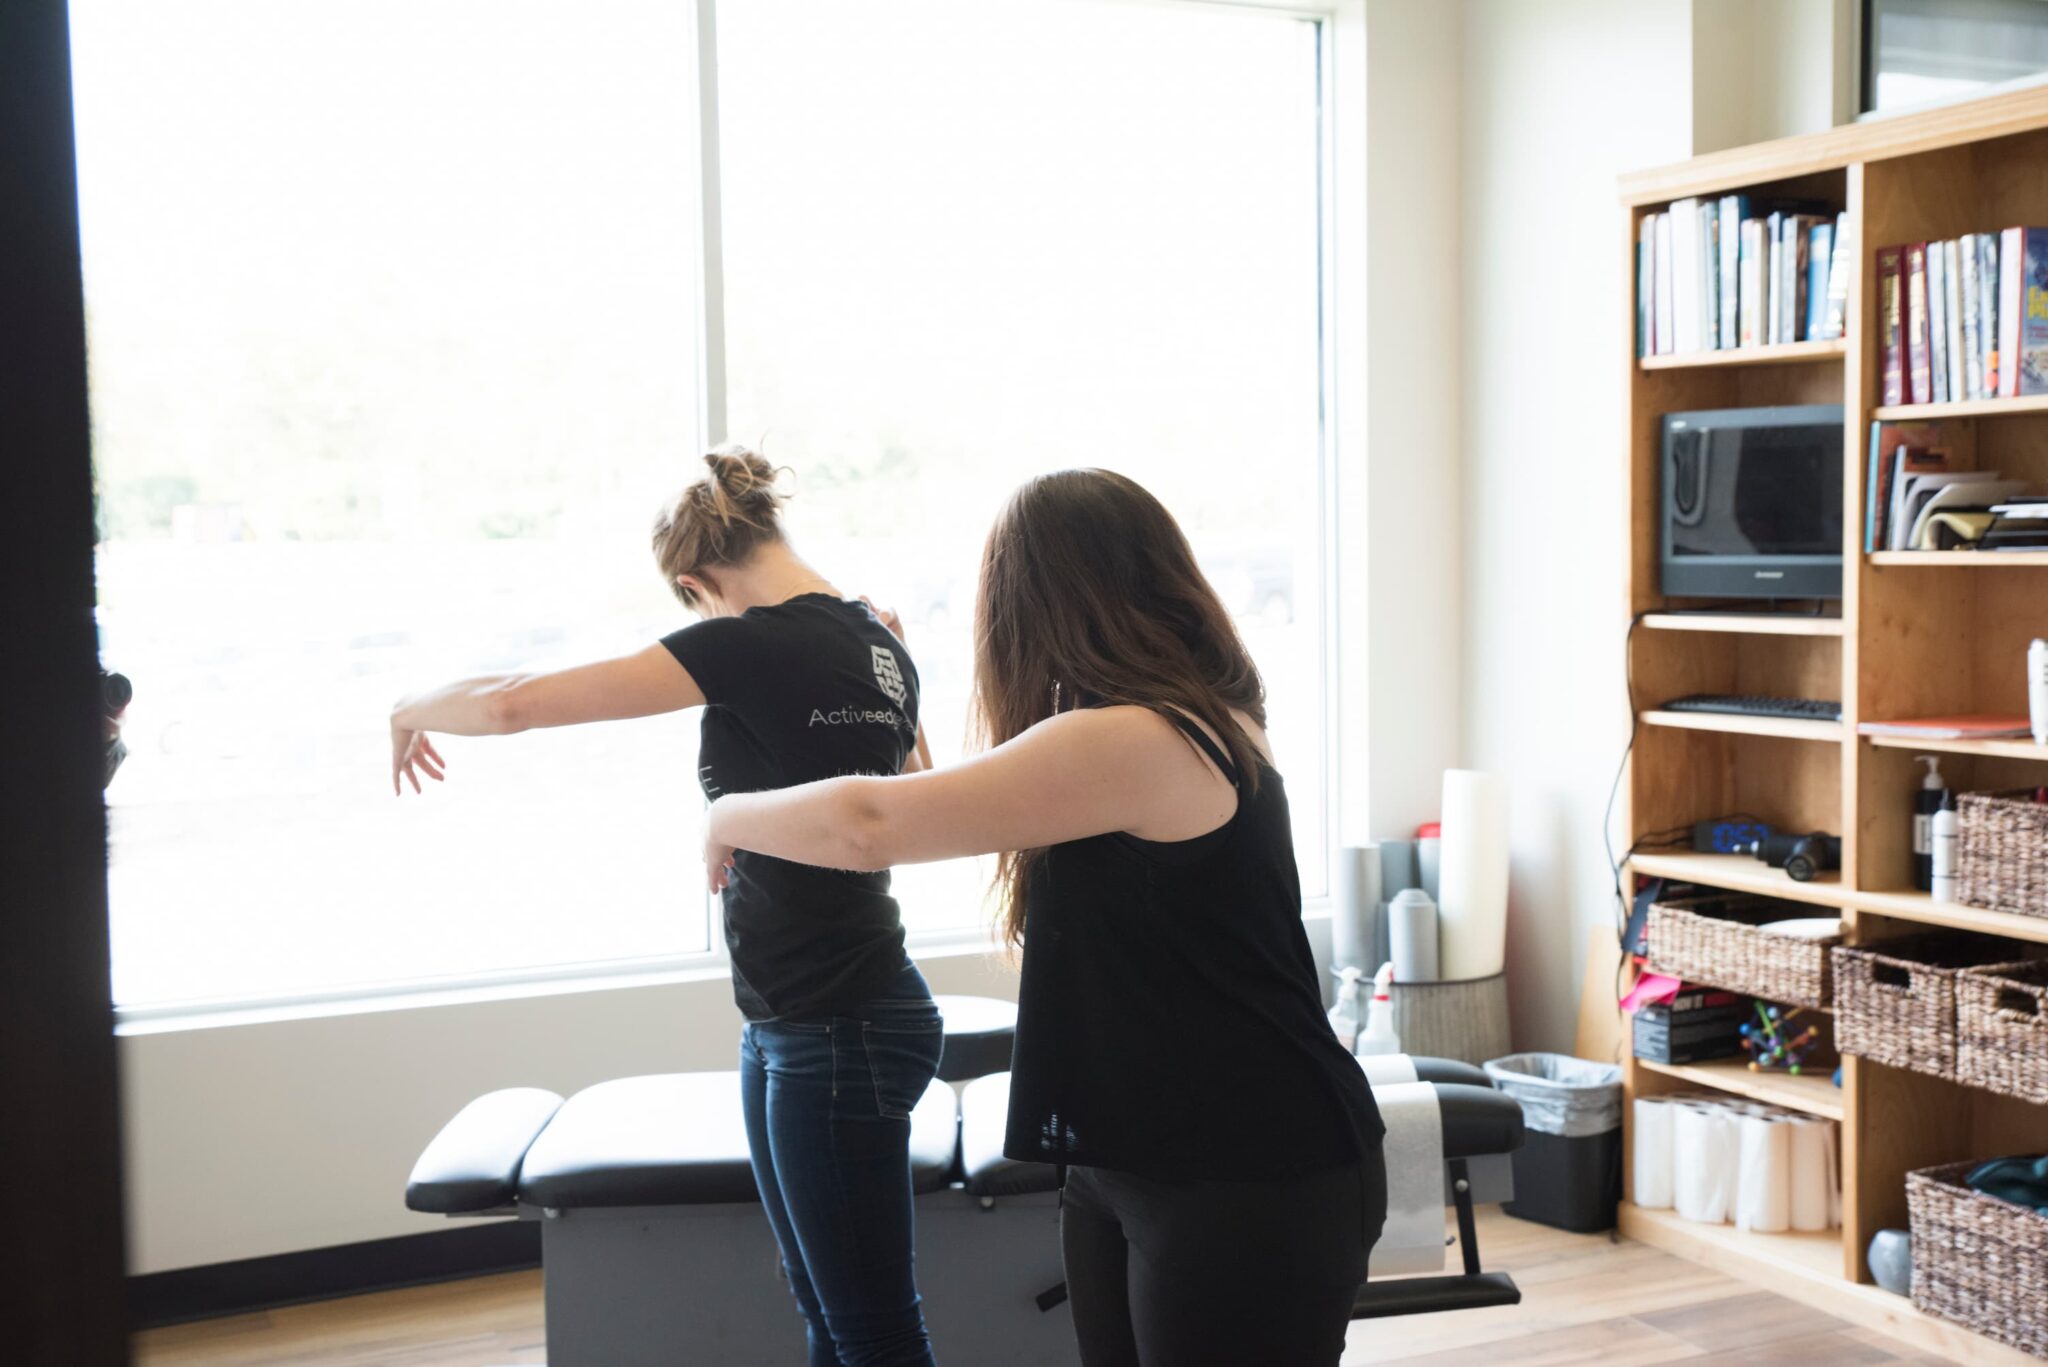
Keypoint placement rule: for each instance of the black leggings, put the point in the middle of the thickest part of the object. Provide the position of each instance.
(1185, 1274)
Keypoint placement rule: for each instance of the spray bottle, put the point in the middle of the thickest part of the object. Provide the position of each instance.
(1926, 802)
(1344, 1015)
(1379, 1037)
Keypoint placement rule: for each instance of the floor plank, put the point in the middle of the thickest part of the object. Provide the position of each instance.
(1585, 1298)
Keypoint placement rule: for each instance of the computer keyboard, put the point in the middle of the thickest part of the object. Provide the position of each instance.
(1752, 705)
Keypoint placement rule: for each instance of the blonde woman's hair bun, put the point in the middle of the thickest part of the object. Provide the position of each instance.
(721, 519)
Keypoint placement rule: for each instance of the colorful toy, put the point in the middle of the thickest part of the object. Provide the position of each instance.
(1772, 1042)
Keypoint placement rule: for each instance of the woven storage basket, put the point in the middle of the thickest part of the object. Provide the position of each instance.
(2002, 1030)
(1977, 1260)
(1699, 940)
(2002, 852)
(1895, 1000)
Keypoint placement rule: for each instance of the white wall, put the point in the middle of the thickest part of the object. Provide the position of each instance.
(1407, 647)
(1559, 98)
(1767, 69)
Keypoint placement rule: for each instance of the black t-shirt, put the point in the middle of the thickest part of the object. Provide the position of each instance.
(815, 687)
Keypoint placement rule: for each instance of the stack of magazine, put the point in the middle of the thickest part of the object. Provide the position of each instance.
(1918, 501)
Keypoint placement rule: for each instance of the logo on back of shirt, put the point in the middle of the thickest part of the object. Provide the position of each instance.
(888, 677)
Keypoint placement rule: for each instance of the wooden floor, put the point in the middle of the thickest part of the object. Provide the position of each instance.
(1584, 1299)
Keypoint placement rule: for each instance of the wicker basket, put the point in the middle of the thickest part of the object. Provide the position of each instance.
(2002, 1030)
(2002, 852)
(1715, 941)
(1895, 1000)
(1979, 1261)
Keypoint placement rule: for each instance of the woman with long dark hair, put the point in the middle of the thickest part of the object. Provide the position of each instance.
(797, 682)
(1224, 1177)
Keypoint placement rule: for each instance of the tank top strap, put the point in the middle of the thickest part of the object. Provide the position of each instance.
(1208, 746)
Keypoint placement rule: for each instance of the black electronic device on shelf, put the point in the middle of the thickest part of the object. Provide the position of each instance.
(1752, 503)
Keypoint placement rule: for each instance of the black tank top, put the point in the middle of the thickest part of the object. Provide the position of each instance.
(1169, 1022)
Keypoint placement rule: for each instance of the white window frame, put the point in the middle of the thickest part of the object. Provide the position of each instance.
(1340, 487)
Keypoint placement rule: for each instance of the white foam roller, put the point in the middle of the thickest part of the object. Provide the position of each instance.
(1472, 912)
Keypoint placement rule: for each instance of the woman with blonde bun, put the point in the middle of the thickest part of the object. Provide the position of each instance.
(798, 683)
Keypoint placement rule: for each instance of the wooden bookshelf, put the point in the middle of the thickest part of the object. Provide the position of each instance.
(1916, 636)
(1779, 353)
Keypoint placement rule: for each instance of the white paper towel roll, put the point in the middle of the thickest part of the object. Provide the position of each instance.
(1813, 1173)
(1472, 912)
(1702, 1162)
(1412, 937)
(1653, 1121)
(1764, 1202)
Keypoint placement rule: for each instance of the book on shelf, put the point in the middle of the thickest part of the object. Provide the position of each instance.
(1685, 273)
(1774, 271)
(1646, 275)
(1987, 310)
(1891, 323)
(1751, 298)
(1937, 323)
(1973, 337)
(1732, 210)
(1841, 261)
(2023, 311)
(1666, 342)
(1919, 368)
(1952, 317)
(1949, 728)
(1819, 255)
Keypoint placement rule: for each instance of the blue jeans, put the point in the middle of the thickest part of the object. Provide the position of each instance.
(828, 1123)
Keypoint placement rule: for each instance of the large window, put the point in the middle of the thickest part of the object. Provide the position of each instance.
(966, 244)
(395, 334)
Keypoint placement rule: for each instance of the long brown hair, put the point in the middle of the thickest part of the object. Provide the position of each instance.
(1090, 596)
(720, 520)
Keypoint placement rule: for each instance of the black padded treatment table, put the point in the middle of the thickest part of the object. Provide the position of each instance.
(655, 1250)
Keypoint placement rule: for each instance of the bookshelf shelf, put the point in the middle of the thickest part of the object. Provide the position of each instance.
(1811, 1093)
(1905, 644)
(1921, 907)
(1781, 353)
(1784, 728)
(1997, 749)
(1973, 408)
(1747, 623)
(1810, 1266)
(1981, 559)
(1742, 873)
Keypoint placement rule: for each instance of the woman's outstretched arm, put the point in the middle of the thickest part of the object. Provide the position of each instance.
(1067, 778)
(638, 685)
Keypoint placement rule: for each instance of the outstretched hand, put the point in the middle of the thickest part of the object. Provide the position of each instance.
(412, 754)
